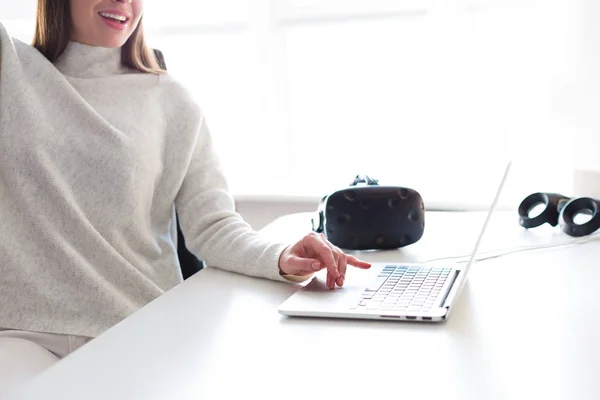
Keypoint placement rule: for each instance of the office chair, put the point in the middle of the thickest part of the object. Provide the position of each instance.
(188, 262)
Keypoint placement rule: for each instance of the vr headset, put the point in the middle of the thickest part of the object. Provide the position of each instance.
(367, 216)
(559, 209)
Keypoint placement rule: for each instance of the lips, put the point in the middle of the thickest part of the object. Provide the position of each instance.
(115, 19)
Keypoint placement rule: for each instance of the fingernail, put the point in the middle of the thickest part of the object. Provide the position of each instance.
(315, 265)
(342, 281)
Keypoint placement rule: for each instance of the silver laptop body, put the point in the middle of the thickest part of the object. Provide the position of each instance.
(398, 291)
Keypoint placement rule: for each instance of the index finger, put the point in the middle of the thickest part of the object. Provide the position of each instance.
(326, 254)
(355, 262)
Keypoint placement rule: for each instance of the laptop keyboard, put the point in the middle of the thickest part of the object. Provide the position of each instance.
(404, 288)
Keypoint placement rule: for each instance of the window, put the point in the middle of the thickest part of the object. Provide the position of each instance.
(302, 95)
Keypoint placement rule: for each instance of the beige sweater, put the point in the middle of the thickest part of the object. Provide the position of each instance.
(94, 159)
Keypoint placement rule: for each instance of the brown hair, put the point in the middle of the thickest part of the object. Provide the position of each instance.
(53, 30)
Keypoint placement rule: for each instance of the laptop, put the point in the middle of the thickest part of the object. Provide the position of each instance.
(401, 292)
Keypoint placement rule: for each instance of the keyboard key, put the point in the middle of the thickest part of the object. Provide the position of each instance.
(376, 284)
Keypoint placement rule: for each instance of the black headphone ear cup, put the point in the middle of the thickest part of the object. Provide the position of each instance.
(547, 215)
(553, 202)
(572, 208)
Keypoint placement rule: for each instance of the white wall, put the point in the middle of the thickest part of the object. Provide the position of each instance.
(576, 99)
(17, 9)
(562, 36)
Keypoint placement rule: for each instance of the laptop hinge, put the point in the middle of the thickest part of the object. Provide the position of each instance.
(450, 286)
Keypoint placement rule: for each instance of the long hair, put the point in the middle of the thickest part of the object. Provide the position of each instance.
(53, 30)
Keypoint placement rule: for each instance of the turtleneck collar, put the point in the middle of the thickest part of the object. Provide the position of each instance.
(84, 61)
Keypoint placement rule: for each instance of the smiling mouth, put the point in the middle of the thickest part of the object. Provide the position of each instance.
(114, 17)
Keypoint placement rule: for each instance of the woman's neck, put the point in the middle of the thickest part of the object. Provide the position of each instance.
(85, 61)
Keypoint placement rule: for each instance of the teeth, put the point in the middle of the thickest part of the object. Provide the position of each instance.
(114, 16)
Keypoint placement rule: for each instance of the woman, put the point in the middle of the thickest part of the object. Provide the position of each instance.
(98, 147)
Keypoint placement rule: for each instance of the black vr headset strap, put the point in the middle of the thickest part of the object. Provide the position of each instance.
(318, 221)
(364, 179)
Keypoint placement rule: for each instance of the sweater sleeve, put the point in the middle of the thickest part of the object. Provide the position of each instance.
(213, 230)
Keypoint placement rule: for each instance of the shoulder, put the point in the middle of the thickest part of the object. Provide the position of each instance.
(178, 99)
(25, 53)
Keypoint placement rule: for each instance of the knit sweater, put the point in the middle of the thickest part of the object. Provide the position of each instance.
(95, 158)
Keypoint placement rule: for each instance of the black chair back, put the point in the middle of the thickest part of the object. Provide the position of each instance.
(189, 263)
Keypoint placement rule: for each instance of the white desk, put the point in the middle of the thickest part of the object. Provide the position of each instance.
(526, 327)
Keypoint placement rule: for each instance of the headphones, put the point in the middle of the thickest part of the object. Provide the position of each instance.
(367, 216)
(561, 210)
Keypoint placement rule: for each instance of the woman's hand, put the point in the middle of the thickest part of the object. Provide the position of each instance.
(313, 253)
